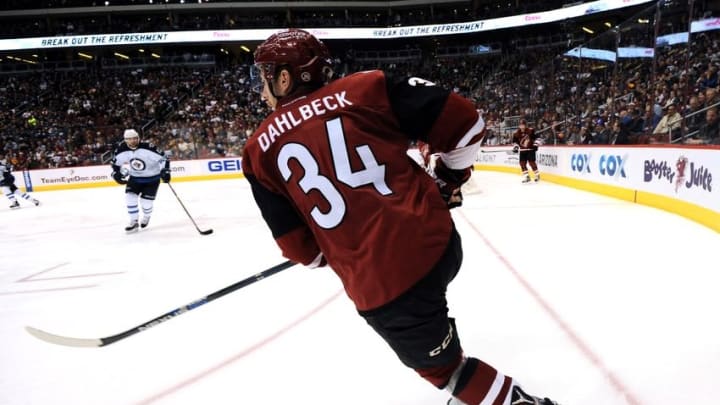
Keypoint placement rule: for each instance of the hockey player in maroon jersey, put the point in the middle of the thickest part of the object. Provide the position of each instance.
(330, 174)
(526, 142)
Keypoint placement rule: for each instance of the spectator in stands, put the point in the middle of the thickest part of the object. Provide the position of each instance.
(620, 135)
(601, 136)
(668, 129)
(588, 133)
(694, 119)
(710, 131)
(555, 136)
(577, 134)
(712, 97)
(709, 78)
(637, 122)
(649, 119)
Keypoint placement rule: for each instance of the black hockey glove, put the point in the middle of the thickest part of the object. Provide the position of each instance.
(165, 175)
(449, 182)
(118, 177)
(516, 148)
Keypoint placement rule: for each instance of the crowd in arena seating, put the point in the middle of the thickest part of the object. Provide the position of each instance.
(63, 119)
(40, 24)
(74, 118)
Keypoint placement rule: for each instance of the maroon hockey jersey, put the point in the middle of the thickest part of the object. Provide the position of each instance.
(330, 173)
(525, 138)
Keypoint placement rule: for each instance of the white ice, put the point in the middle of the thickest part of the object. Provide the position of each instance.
(583, 298)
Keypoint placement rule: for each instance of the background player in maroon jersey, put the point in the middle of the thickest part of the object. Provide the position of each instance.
(330, 174)
(526, 142)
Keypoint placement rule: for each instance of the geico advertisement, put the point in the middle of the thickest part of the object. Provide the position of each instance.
(686, 174)
(225, 165)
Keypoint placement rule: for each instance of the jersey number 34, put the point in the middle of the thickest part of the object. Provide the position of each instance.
(373, 173)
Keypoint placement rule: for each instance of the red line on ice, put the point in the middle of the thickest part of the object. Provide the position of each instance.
(574, 337)
(191, 380)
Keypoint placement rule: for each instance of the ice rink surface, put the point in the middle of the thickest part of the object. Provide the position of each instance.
(583, 298)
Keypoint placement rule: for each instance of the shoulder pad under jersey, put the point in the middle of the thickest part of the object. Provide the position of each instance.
(149, 146)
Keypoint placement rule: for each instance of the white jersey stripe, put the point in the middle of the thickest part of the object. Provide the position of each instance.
(469, 135)
(494, 390)
(465, 155)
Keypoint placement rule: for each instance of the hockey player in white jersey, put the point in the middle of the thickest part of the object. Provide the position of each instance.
(140, 167)
(7, 184)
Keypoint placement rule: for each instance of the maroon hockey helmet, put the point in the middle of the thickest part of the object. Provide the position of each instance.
(306, 58)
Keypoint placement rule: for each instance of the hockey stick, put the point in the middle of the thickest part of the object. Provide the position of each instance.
(509, 151)
(495, 151)
(205, 232)
(81, 342)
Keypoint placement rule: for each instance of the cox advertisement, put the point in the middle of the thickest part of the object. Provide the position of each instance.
(683, 174)
(602, 165)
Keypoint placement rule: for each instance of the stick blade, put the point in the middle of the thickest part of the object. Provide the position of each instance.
(208, 232)
(63, 340)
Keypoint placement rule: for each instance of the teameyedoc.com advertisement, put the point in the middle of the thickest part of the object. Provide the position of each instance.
(101, 176)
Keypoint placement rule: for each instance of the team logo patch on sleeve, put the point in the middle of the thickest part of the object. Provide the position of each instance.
(416, 81)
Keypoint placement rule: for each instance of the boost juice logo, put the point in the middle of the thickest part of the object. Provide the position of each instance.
(700, 176)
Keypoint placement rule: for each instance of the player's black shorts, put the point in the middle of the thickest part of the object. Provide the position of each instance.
(8, 180)
(11, 186)
(528, 155)
(416, 324)
(145, 189)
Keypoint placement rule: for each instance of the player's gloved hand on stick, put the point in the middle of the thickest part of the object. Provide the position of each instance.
(118, 177)
(449, 182)
(516, 148)
(165, 175)
(455, 199)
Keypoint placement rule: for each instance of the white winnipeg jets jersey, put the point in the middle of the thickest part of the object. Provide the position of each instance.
(5, 169)
(144, 161)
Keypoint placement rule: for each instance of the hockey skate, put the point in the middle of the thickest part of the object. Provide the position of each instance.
(15, 204)
(526, 179)
(145, 221)
(520, 397)
(132, 227)
(537, 178)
